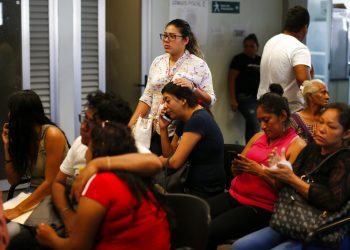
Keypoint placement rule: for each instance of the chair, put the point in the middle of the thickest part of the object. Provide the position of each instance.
(189, 219)
(229, 149)
(13, 188)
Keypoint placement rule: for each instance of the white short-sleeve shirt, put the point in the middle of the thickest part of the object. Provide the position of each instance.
(75, 159)
(281, 53)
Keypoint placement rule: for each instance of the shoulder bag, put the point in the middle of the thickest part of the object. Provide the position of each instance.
(174, 180)
(302, 125)
(296, 218)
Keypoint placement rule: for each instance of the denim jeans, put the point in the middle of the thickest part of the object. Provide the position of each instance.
(267, 238)
(247, 107)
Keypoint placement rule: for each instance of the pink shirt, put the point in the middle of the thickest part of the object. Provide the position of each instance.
(252, 190)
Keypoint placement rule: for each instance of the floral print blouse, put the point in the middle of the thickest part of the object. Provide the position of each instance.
(187, 66)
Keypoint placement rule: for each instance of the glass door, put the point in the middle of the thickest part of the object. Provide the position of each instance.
(318, 37)
(10, 58)
(123, 49)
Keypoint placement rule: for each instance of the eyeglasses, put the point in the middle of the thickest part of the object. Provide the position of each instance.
(84, 119)
(170, 36)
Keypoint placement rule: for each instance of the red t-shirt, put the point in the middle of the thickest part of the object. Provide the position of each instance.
(119, 229)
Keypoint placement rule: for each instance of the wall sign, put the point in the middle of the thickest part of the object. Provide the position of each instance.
(225, 7)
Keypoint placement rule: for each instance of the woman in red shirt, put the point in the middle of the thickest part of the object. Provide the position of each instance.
(117, 210)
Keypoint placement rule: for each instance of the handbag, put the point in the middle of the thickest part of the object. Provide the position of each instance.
(143, 131)
(173, 180)
(176, 179)
(294, 217)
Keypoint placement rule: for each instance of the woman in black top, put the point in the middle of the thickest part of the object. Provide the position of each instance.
(243, 79)
(197, 138)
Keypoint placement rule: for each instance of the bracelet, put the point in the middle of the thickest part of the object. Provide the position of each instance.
(108, 163)
(65, 210)
(166, 165)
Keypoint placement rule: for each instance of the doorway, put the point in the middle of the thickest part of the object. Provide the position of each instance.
(123, 49)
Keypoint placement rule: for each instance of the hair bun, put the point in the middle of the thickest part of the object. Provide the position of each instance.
(276, 88)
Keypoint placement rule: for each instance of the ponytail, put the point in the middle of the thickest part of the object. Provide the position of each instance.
(185, 30)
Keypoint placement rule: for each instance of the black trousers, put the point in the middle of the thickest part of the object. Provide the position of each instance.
(156, 146)
(232, 220)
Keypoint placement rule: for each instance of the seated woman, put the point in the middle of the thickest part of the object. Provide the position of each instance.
(34, 147)
(197, 138)
(329, 189)
(248, 204)
(117, 210)
(316, 97)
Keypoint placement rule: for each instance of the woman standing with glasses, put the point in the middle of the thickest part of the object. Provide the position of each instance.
(181, 64)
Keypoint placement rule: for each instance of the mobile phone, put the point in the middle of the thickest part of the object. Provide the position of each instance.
(234, 155)
(166, 117)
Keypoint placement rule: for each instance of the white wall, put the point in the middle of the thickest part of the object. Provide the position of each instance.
(67, 93)
(262, 17)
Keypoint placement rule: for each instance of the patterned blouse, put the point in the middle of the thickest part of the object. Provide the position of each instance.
(187, 66)
(311, 127)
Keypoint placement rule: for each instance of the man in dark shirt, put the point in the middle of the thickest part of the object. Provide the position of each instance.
(244, 78)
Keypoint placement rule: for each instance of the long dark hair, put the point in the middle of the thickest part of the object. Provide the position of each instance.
(113, 138)
(185, 30)
(26, 112)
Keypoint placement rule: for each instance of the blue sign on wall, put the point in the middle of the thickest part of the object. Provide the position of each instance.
(225, 7)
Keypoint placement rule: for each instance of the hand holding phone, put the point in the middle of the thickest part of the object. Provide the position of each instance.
(166, 117)
(234, 155)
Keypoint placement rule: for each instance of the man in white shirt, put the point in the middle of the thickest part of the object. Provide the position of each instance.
(286, 60)
(100, 107)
